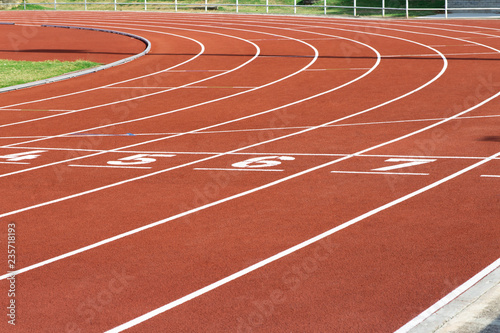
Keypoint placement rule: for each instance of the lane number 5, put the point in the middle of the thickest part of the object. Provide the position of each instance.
(138, 159)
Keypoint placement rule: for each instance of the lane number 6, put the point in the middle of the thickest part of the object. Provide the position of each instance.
(262, 162)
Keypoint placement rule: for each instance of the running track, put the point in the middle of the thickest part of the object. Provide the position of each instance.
(250, 173)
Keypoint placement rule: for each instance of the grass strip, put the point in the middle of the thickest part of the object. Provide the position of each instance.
(18, 72)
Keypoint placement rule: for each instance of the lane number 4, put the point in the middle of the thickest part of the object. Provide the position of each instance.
(28, 155)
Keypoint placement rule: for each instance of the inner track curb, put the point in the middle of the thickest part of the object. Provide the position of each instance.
(86, 71)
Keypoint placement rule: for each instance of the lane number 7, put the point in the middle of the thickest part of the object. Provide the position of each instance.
(407, 162)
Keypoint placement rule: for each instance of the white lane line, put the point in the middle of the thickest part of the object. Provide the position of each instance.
(433, 55)
(22, 137)
(305, 39)
(107, 166)
(34, 110)
(190, 87)
(291, 250)
(337, 69)
(14, 163)
(234, 169)
(466, 45)
(448, 298)
(382, 173)
(198, 70)
(491, 176)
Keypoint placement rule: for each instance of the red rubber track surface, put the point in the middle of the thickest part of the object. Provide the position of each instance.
(329, 104)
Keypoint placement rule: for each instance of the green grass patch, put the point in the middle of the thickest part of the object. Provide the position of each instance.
(30, 7)
(19, 72)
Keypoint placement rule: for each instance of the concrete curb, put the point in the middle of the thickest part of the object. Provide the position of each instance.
(474, 310)
(86, 71)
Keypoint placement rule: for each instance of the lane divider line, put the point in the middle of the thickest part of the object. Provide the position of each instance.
(235, 169)
(381, 173)
(107, 166)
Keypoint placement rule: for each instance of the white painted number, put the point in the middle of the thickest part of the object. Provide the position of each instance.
(407, 162)
(262, 162)
(138, 159)
(29, 155)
